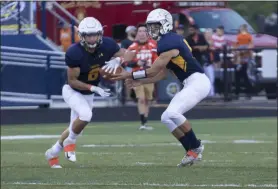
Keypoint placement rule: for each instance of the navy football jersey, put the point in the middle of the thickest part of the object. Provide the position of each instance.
(184, 64)
(90, 63)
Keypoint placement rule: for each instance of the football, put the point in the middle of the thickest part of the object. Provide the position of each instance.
(107, 75)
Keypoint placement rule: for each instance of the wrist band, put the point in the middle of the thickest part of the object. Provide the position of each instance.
(90, 87)
(139, 74)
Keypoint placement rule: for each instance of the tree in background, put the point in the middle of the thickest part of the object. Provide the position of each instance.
(254, 11)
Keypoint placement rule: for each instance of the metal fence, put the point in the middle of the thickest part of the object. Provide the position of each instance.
(262, 71)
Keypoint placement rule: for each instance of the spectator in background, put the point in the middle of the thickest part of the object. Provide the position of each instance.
(244, 38)
(208, 36)
(218, 40)
(65, 36)
(131, 34)
(130, 37)
(145, 54)
(243, 57)
(200, 50)
(180, 29)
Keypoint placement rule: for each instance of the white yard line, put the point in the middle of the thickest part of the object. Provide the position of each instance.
(174, 144)
(88, 153)
(28, 137)
(241, 153)
(132, 153)
(32, 137)
(250, 141)
(148, 184)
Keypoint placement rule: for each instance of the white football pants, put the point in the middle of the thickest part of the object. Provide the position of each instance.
(196, 88)
(81, 105)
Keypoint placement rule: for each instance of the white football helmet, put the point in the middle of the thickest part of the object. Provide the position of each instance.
(159, 22)
(90, 26)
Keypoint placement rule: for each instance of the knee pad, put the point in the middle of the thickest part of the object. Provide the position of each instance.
(86, 116)
(175, 117)
(165, 119)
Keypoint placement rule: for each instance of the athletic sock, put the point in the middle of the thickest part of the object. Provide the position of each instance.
(72, 135)
(189, 141)
(145, 120)
(57, 147)
(142, 119)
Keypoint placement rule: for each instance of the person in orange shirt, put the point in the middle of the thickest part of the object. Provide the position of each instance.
(243, 57)
(144, 54)
(244, 38)
(244, 41)
(65, 37)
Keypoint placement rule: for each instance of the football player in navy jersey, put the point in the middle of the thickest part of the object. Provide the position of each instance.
(84, 59)
(174, 55)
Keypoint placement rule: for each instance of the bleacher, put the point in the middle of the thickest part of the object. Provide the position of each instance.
(28, 71)
(36, 77)
(31, 41)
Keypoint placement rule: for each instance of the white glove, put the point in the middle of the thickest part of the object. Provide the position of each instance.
(100, 91)
(112, 65)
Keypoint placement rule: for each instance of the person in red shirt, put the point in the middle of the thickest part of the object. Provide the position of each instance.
(144, 54)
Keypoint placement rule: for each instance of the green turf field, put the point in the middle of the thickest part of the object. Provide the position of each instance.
(239, 153)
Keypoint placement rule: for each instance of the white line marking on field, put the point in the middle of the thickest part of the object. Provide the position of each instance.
(173, 144)
(130, 145)
(250, 141)
(32, 137)
(148, 184)
(219, 161)
(208, 142)
(144, 163)
(241, 153)
(26, 137)
(87, 153)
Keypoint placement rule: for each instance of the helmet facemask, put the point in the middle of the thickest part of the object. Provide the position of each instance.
(85, 39)
(154, 30)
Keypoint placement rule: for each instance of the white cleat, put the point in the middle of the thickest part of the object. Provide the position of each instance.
(69, 148)
(143, 127)
(53, 159)
(70, 156)
(192, 156)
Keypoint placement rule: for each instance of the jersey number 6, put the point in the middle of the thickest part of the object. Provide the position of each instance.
(93, 74)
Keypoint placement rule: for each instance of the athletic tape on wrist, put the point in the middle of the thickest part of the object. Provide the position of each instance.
(139, 74)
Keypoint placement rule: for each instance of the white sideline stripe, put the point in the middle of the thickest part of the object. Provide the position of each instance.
(242, 152)
(157, 153)
(147, 184)
(129, 145)
(249, 141)
(25, 137)
(206, 161)
(172, 144)
(87, 153)
(130, 153)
